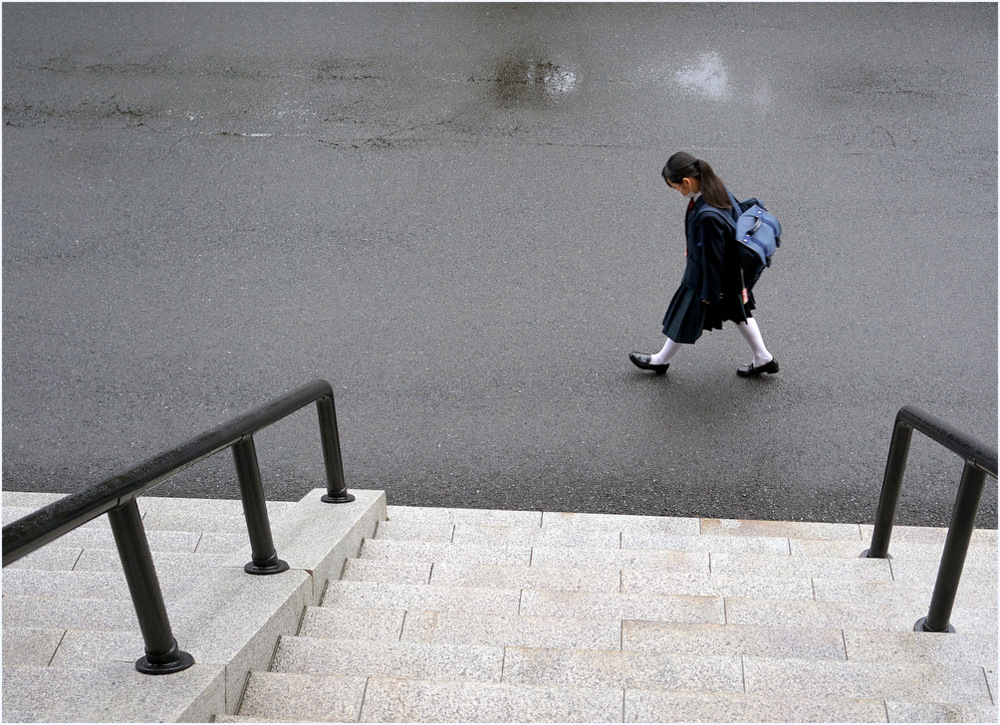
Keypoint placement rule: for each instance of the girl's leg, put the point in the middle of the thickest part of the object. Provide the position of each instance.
(666, 354)
(751, 333)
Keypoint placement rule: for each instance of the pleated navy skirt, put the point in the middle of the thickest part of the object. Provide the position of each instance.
(687, 316)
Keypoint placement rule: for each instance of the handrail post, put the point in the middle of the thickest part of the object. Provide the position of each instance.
(956, 545)
(162, 654)
(892, 480)
(336, 487)
(264, 556)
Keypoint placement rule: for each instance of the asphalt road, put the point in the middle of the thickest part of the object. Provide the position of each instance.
(454, 213)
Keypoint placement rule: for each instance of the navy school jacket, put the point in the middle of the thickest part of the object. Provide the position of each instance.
(708, 247)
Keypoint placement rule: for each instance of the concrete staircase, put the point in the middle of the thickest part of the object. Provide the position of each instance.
(70, 634)
(495, 616)
(444, 615)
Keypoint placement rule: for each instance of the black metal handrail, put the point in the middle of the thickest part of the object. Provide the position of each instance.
(980, 461)
(116, 497)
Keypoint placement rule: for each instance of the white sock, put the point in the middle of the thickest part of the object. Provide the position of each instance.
(664, 356)
(751, 333)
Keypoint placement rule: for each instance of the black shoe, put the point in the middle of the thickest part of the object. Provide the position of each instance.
(749, 371)
(641, 360)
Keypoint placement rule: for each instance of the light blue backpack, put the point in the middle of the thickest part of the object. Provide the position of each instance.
(757, 231)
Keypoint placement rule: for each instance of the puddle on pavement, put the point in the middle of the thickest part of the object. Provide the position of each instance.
(527, 81)
(707, 76)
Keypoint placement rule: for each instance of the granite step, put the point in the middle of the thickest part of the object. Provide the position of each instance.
(477, 534)
(575, 633)
(273, 696)
(767, 565)
(639, 581)
(917, 556)
(805, 678)
(893, 615)
(917, 682)
(368, 658)
(760, 640)
(474, 615)
(544, 603)
(685, 526)
(399, 625)
(269, 696)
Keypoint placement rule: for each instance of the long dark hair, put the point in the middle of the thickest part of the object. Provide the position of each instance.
(683, 165)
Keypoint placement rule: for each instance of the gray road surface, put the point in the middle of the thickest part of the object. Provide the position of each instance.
(454, 213)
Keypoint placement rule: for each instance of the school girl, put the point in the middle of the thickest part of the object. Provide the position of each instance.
(711, 290)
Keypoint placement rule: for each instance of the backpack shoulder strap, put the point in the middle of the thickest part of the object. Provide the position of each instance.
(728, 216)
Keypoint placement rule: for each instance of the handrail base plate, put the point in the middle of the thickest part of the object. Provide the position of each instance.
(275, 566)
(182, 662)
(342, 498)
(921, 626)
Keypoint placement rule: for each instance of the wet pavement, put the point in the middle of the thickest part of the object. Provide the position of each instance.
(454, 213)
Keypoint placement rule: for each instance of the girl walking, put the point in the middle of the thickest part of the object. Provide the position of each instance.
(711, 290)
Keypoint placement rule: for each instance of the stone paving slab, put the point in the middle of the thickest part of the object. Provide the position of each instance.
(619, 558)
(165, 562)
(59, 613)
(593, 605)
(198, 514)
(457, 574)
(926, 570)
(86, 585)
(939, 712)
(782, 529)
(212, 542)
(928, 535)
(415, 660)
(973, 593)
(114, 692)
(849, 615)
(485, 517)
(920, 647)
(87, 538)
(48, 558)
(512, 630)
(703, 583)
(390, 572)
(801, 566)
(650, 706)
(734, 544)
(681, 526)
(544, 536)
(933, 682)
(425, 597)
(778, 642)
(643, 670)
(387, 549)
(303, 698)
(400, 700)
(411, 531)
(28, 647)
(899, 551)
(385, 625)
(80, 648)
